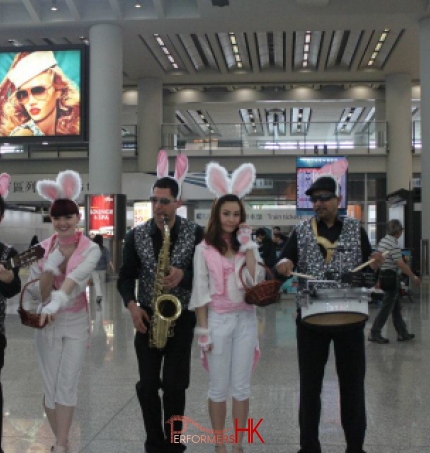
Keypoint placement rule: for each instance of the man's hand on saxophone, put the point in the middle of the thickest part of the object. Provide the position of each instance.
(139, 316)
(173, 278)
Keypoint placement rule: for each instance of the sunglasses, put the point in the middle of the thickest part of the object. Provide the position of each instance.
(163, 201)
(39, 92)
(322, 197)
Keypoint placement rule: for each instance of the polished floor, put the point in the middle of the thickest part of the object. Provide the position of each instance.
(108, 416)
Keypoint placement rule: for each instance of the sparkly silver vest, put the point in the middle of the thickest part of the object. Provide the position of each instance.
(3, 299)
(181, 256)
(311, 260)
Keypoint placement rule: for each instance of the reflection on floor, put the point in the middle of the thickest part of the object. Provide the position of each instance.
(108, 416)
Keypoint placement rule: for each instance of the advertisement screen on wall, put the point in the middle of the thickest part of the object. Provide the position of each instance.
(308, 169)
(39, 78)
(101, 215)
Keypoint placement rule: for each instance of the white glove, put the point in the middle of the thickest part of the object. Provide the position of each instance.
(244, 236)
(205, 340)
(59, 300)
(53, 261)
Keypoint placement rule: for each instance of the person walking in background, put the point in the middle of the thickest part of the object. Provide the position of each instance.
(279, 244)
(312, 248)
(98, 275)
(141, 261)
(59, 283)
(393, 265)
(10, 285)
(227, 326)
(266, 247)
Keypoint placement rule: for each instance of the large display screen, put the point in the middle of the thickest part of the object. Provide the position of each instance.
(43, 94)
(308, 169)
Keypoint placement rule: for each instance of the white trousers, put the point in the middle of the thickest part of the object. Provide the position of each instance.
(61, 349)
(234, 341)
(99, 281)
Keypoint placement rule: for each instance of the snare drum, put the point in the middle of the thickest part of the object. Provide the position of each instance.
(335, 306)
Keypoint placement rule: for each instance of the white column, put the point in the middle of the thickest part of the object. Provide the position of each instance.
(425, 126)
(105, 161)
(398, 105)
(149, 117)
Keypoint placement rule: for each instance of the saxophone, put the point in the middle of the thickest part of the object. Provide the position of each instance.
(166, 307)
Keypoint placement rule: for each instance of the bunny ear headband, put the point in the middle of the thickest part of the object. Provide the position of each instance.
(181, 168)
(4, 184)
(67, 185)
(240, 183)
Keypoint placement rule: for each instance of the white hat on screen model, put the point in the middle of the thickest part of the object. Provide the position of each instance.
(181, 168)
(31, 66)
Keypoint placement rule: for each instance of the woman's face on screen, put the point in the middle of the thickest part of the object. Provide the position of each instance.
(39, 97)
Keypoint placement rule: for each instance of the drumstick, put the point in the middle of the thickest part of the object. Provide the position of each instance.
(298, 274)
(369, 262)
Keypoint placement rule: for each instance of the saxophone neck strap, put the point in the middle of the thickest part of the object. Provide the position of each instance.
(328, 246)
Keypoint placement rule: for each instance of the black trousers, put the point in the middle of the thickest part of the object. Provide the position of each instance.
(169, 370)
(313, 345)
(3, 344)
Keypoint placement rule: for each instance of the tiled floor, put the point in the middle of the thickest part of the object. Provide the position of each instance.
(108, 416)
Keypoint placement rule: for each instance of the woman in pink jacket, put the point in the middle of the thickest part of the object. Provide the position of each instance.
(227, 326)
(61, 278)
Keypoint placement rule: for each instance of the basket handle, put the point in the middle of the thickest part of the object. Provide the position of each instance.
(268, 270)
(21, 296)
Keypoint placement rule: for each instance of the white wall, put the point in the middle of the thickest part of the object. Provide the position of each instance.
(18, 227)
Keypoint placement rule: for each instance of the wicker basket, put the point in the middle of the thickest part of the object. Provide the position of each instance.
(29, 318)
(264, 293)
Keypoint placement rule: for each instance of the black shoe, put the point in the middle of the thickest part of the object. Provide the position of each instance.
(406, 337)
(378, 339)
(99, 300)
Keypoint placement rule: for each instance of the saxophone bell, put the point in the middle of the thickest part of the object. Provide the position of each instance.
(167, 307)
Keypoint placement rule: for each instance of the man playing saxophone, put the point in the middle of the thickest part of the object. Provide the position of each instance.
(164, 360)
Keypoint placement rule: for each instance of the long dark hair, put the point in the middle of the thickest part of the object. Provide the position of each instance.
(213, 235)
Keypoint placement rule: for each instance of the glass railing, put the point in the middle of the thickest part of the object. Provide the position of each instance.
(276, 138)
(416, 136)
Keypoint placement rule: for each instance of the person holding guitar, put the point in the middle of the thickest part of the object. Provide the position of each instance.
(10, 285)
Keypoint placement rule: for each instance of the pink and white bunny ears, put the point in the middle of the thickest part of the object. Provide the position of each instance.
(67, 185)
(181, 168)
(4, 184)
(240, 183)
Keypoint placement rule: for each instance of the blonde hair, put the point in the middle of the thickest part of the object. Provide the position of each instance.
(68, 104)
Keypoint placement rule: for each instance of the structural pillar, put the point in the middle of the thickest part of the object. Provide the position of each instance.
(149, 117)
(398, 112)
(105, 160)
(425, 127)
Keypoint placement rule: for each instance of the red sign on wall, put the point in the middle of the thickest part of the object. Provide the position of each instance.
(101, 218)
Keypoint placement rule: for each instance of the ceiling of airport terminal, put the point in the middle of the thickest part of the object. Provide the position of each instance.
(267, 45)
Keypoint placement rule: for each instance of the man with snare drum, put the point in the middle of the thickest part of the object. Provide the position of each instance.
(312, 248)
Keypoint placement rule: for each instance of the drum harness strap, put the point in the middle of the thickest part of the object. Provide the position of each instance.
(330, 247)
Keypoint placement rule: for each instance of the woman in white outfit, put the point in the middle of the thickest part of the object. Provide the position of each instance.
(62, 276)
(227, 326)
